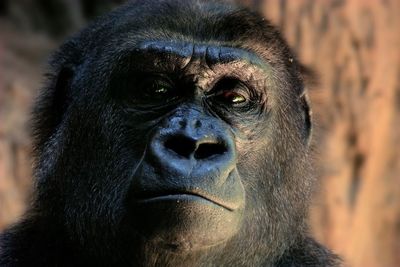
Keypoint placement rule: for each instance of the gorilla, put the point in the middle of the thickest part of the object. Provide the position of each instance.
(171, 133)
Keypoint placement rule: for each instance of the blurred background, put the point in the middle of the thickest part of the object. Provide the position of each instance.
(354, 46)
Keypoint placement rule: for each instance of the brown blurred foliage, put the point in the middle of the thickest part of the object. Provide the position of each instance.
(354, 46)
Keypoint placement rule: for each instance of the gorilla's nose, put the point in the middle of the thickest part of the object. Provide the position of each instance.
(206, 151)
(190, 162)
(203, 148)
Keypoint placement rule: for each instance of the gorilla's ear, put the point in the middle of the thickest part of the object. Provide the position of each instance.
(310, 80)
(51, 105)
(61, 93)
(304, 101)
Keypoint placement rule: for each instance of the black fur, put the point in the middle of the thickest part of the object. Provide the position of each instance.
(86, 148)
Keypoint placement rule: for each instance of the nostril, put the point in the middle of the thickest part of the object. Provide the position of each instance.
(206, 150)
(188, 147)
(181, 145)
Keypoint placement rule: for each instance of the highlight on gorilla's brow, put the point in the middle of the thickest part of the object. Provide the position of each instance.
(210, 52)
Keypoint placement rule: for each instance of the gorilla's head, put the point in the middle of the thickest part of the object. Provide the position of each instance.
(173, 133)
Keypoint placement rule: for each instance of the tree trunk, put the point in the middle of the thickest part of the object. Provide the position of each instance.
(354, 46)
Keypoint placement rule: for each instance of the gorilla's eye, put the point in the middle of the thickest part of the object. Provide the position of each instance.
(160, 89)
(230, 97)
(232, 92)
(156, 90)
(156, 87)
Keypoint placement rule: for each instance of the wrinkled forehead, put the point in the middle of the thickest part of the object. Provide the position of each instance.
(172, 55)
(209, 53)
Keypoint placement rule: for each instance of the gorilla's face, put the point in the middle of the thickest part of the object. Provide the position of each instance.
(166, 142)
(194, 101)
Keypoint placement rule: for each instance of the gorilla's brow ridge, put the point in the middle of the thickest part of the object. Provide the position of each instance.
(213, 54)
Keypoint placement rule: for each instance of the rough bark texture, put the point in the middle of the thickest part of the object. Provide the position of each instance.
(354, 46)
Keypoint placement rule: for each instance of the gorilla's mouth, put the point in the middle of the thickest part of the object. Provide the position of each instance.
(183, 220)
(184, 197)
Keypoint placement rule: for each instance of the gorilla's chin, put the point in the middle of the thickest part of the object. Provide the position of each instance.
(185, 222)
